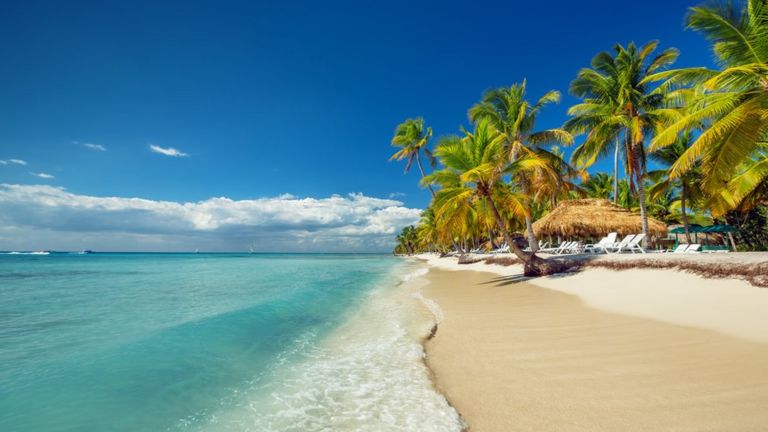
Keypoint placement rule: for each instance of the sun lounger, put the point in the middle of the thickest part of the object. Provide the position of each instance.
(542, 245)
(503, 249)
(620, 245)
(633, 245)
(556, 250)
(575, 248)
(572, 247)
(694, 248)
(601, 246)
(681, 248)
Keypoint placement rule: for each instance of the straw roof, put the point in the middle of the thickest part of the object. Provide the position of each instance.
(593, 218)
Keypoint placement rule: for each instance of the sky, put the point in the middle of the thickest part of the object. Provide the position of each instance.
(226, 125)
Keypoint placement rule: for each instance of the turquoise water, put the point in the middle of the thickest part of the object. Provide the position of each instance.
(153, 342)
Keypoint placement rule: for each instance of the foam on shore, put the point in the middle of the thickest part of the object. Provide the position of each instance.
(368, 375)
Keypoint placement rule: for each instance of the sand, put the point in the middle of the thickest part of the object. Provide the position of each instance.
(600, 350)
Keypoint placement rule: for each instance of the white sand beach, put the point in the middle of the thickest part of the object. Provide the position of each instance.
(599, 349)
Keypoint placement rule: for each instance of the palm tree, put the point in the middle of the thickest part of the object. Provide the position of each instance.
(555, 183)
(427, 231)
(687, 184)
(475, 166)
(735, 99)
(599, 89)
(407, 240)
(627, 199)
(412, 138)
(514, 117)
(619, 105)
(600, 186)
(749, 188)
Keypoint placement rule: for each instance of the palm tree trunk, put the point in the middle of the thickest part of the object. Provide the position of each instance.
(532, 264)
(525, 257)
(490, 238)
(683, 215)
(616, 173)
(421, 169)
(532, 242)
(640, 192)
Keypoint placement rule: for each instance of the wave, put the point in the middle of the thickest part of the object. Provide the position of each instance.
(26, 253)
(368, 375)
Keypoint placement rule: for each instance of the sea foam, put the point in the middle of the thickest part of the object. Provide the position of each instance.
(368, 375)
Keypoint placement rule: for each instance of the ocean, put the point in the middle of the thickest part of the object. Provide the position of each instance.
(213, 342)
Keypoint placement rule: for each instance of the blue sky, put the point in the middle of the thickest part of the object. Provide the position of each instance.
(271, 98)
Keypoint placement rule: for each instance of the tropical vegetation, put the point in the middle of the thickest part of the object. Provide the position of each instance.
(694, 145)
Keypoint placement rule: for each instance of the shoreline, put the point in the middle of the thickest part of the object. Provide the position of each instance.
(695, 336)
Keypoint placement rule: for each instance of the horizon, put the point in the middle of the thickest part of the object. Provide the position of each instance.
(175, 127)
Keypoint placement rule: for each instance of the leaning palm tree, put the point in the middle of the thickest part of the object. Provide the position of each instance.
(735, 102)
(619, 105)
(475, 166)
(412, 138)
(514, 117)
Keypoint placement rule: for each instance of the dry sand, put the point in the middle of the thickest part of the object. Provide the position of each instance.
(513, 356)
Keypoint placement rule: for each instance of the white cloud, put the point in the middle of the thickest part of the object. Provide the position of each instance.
(97, 147)
(38, 214)
(396, 195)
(13, 161)
(2, 162)
(170, 151)
(42, 175)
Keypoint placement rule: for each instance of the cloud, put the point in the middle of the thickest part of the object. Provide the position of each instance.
(42, 175)
(170, 151)
(2, 162)
(39, 215)
(97, 147)
(396, 195)
(13, 161)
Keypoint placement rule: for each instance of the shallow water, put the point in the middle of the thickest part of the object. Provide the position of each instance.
(127, 342)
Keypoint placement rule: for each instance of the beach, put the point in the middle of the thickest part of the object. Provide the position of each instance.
(598, 349)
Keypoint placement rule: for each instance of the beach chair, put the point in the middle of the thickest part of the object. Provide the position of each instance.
(602, 244)
(694, 248)
(550, 250)
(542, 245)
(575, 248)
(620, 245)
(503, 249)
(567, 247)
(634, 245)
(681, 248)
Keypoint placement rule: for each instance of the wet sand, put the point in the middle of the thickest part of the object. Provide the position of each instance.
(512, 356)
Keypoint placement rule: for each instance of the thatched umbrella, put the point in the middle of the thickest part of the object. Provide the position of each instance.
(593, 218)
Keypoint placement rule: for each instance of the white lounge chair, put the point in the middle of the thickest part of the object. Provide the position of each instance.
(620, 245)
(694, 248)
(681, 248)
(502, 249)
(549, 250)
(634, 245)
(606, 241)
(574, 248)
(569, 248)
(542, 245)
(555, 250)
